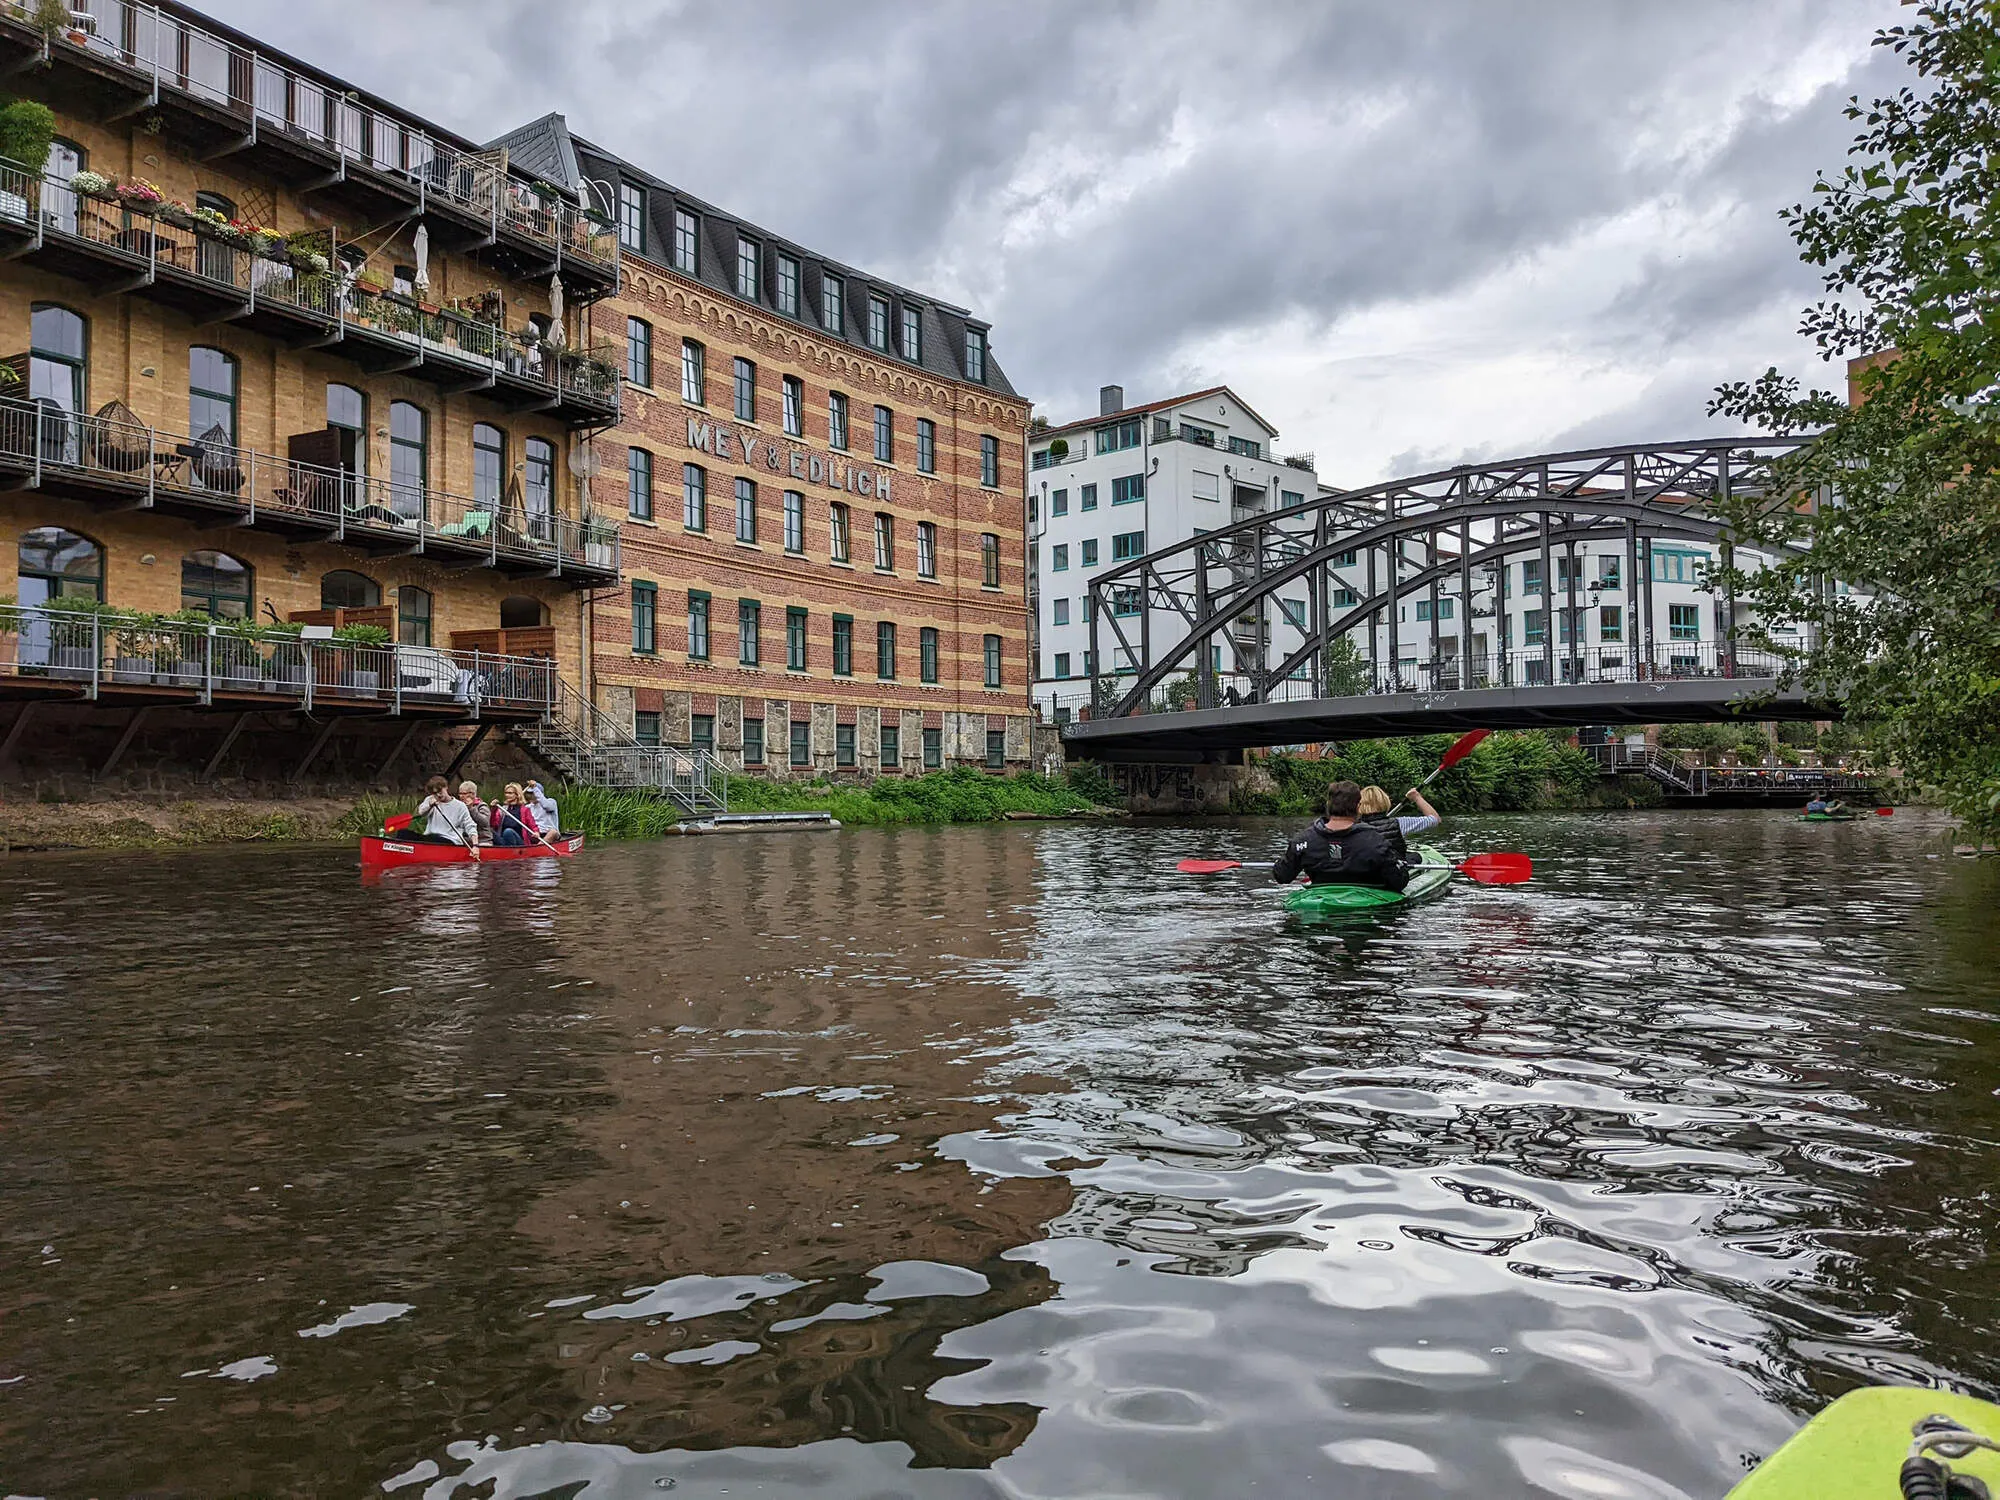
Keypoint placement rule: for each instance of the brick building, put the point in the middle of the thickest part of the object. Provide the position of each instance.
(282, 353)
(821, 479)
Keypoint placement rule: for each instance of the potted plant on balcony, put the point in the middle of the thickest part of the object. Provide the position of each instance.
(26, 129)
(139, 195)
(286, 665)
(600, 534)
(89, 184)
(132, 656)
(364, 643)
(73, 637)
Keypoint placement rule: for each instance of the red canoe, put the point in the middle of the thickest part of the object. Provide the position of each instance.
(377, 853)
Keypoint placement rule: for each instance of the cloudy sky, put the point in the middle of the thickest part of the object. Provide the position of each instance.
(1407, 233)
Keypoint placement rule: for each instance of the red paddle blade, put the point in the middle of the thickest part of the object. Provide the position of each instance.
(1207, 866)
(1885, 812)
(397, 823)
(1467, 742)
(1498, 869)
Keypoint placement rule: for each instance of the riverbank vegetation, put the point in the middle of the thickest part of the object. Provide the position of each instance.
(1903, 237)
(1507, 772)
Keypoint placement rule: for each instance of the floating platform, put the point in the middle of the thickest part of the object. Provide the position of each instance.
(766, 822)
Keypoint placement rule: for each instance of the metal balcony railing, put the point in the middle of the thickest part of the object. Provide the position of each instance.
(169, 54)
(39, 439)
(95, 649)
(159, 239)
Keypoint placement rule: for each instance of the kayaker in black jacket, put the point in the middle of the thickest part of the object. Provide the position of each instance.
(1339, 849)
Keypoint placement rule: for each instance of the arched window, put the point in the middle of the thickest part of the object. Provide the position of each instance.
(215, 203)
(519, 612)
(216, 584)
(211, 394)
(58, 361)
(344, 590)
(66, 159)
(540, 490)
(347, 420)
(489, 465)
(413, 616)
(59, 564)
(409, 458)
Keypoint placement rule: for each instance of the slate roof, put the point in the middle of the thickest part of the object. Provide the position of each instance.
(943, 326)
(542, 149)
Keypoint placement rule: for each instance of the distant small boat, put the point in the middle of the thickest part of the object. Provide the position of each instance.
(387, 853)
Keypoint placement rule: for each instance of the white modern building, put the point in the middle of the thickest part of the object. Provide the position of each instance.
(1133, 479)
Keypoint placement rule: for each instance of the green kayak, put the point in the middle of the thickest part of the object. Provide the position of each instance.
(1855, 1449)
(1426, 879)
(1839, 817)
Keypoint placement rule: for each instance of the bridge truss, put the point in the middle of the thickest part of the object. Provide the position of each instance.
(1436, 537)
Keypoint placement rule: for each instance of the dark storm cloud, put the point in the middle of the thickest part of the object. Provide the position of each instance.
(1137, 191)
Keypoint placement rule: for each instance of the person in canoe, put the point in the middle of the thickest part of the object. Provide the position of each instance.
(1820, 804)
(543, 806)
(482, 814)
(1375, 810)
(446, 820)
(1342, 848)
(514, 821)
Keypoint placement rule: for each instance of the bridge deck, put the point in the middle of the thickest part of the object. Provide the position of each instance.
(1211, 735)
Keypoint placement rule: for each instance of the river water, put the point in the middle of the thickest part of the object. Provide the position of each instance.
(988, 1162)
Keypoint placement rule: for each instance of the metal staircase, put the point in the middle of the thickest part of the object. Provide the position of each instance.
(1669, 770)
(584, 747)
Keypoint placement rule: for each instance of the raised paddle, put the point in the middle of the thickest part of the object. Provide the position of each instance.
(1463, 746)
(1503, 868)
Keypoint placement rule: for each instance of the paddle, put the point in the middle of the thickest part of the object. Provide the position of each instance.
(1504, 868)
(397, 823)
(1885, 812)
(1463, 746)
(504, 808)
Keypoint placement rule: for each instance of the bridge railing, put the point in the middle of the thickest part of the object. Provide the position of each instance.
(1524, 667)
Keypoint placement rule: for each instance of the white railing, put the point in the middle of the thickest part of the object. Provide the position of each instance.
(95, 648)
(38, 438)
(172, 53)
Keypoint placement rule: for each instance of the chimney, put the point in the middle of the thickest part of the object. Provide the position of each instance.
(1110, 398)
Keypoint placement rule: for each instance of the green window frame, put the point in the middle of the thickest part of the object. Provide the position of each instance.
(933, 749)
(753, 742)
(1128, 489)
(639, 351)
(639, 483)
(698, 622)
(413, 615)
(1684, 622)
(989, 560)
(1127, 545)
(889, 748)
(843, 645)
(795, 639)
(992, 656)
(694, 497)
(996, 749)
(645, 618)
(801, 742)
(926, 446)
(701, 732)
(749, 627)
(885, 650)
(1086, 497)
(795, 522)
(989, 462)
(843, 746)
(927, 654)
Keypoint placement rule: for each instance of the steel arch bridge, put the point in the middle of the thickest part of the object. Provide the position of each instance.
(1434, 537)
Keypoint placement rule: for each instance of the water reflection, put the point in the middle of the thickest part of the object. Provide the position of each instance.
(987, 1162)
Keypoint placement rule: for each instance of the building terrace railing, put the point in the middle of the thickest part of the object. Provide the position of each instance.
(165, 52)
(42, 441)
(67, 641)
(166, 240)
(1530, 666)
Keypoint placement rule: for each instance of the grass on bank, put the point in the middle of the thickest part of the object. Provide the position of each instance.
(961, 795)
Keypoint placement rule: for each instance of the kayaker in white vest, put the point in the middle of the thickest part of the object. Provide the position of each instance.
(446, 819)
(543, 806)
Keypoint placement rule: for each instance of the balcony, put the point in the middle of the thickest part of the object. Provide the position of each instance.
(120, 465)
(75, 649)
(116, 241)
(119, 58)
